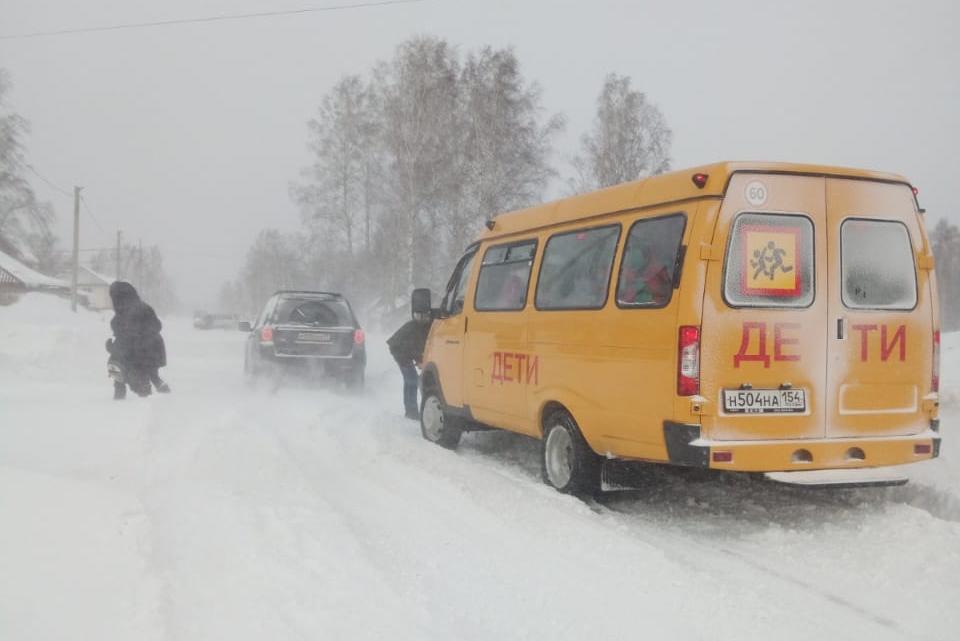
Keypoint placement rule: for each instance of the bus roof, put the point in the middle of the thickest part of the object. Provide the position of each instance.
(675, 186)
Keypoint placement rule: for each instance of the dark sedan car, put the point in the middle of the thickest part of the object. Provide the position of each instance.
(308, 333)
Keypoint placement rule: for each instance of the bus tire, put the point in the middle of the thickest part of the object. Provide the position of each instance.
(435, 425)
(567, 462)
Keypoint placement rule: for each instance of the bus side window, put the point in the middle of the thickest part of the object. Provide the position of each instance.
(575, 271)
(504, 277)
(649, 264)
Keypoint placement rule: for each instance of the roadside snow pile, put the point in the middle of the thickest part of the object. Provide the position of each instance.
(40, 336)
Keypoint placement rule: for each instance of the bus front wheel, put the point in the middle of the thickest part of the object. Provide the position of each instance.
(435, 426)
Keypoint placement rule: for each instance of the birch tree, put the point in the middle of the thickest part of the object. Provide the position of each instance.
(630, 139)
(275, 261)
(24, 221)
(413, 158)
(418, 92)
(336, 195)
(507, 143)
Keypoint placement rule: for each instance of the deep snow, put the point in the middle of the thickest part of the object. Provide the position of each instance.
(224, 512)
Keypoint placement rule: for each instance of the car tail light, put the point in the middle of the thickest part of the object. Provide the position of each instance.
(935, 378)
(266, 335)
(358, 337)
(688, 361)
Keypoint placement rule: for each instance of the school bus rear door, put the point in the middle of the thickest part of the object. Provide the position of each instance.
(765, 318)
(881, 311)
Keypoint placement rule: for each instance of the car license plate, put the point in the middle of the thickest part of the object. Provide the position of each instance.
(764, 401)
(314, 337)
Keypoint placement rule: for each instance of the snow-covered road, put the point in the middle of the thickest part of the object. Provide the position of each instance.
(224, 512)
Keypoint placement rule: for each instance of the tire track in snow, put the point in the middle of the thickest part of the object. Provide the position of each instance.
(677, 544)
(707, 555)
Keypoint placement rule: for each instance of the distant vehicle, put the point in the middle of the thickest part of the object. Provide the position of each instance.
(204, 320)
(311, 333)
(759, 317)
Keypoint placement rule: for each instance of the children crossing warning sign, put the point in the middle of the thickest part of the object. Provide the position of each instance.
(772, 260)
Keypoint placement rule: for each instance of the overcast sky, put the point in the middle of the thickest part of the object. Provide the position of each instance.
(188, 136)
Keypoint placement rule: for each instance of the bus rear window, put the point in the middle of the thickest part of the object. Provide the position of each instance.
(876, 265)
(770, 261)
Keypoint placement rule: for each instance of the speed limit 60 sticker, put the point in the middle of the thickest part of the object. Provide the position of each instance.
(756, 193)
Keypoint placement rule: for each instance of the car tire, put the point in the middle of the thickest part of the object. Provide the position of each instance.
(435, 425)
(567, 462)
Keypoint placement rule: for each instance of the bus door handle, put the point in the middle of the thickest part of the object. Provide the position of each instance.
(840, 329)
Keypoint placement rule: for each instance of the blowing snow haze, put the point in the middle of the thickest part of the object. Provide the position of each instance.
(189, 136)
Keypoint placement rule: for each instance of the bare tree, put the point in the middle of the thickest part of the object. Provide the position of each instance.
(413, 160)
(630, 139)
(273, 262)
(143, 268)
(418, 97)
(336, 195)
(506, 145)
(24, 222)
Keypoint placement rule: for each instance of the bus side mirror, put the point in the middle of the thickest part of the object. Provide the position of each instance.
(244, 326)
(420, 301)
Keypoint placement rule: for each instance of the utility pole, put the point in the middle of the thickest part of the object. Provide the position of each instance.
(119, 245)
(76, 248)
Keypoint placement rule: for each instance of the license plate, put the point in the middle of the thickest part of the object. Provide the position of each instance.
(314, 337)
(764, 401)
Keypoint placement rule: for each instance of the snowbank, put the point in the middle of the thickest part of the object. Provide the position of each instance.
(225, 511)
(41, 338)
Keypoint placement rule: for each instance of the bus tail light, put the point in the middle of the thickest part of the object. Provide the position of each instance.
(358, 337)
(935, 378)
(688, 361)
(266, 335)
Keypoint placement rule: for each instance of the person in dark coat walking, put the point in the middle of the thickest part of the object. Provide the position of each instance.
(137, 351)
(406, 346)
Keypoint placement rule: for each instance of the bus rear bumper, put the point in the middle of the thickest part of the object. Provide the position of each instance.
(854, 477)
(686, 447)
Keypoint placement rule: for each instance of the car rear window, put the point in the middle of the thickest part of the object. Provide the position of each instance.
(313, 312)
(770, 261)
(876, 265)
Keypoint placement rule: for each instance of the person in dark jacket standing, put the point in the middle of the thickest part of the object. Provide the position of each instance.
(137, 351)
(406, 346)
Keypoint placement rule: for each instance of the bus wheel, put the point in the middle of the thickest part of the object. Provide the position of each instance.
(569, 464)
(435, 426)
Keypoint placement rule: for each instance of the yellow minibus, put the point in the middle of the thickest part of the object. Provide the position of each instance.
(757, 317)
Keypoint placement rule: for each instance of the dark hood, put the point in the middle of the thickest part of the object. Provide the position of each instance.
(123, 295)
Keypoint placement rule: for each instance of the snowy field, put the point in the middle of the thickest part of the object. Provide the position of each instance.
(227, 513)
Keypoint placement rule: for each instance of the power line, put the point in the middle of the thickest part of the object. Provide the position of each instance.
(56, 188)
(89, 211)
(50, 183)
(235, 16)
